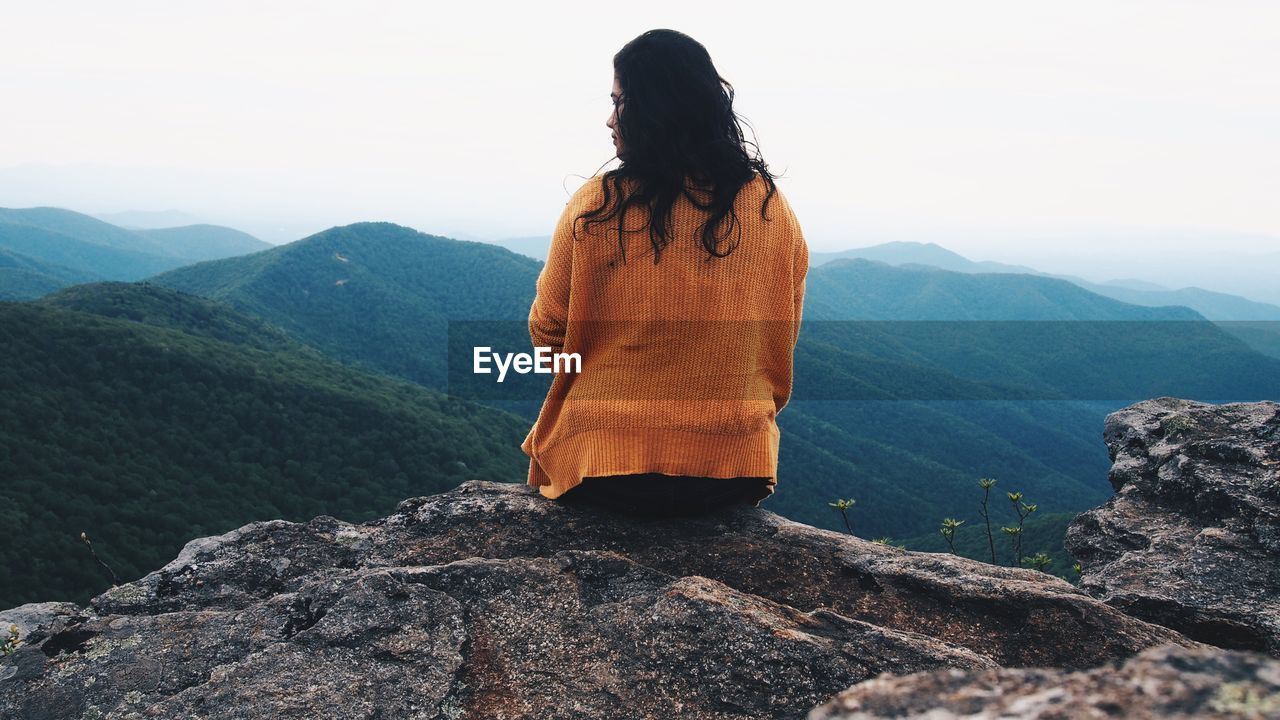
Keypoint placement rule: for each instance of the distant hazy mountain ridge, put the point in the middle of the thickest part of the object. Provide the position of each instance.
(1213, 305)
(58, 248)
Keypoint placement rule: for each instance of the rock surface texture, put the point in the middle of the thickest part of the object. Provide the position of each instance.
(490, 601)
(1191, 539)
(1166, 682)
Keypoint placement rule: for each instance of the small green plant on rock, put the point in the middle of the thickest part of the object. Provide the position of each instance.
(1015, 533)
(10, 642)
(986, 484)
(1175, 424)
(1023, 511)
(843, 506)
(1039, 561)
(948, 531)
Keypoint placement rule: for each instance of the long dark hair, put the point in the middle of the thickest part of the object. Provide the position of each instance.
(678, 125)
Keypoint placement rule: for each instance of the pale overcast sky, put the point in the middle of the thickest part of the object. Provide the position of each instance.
(976, 124)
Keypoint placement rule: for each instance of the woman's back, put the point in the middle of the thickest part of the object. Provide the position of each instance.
(686, 280)
(685, 362)
(677, 280)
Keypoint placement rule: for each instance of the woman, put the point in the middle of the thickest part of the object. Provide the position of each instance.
(678, 279)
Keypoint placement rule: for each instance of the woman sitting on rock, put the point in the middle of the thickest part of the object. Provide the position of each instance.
(678, 279)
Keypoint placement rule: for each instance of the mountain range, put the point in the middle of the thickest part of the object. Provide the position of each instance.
(911, 412)
(1213, 305)
(1252, 320)
(45, 249)
(140, 415)
(911, 381)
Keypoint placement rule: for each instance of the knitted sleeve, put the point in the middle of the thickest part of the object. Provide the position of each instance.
(800, 270)
(549, 315)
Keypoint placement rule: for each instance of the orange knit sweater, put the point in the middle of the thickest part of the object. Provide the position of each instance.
(686, 363)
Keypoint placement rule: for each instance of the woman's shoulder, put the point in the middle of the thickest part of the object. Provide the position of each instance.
(762, 186)
(759, 190)
(592, 191)
(586, 187)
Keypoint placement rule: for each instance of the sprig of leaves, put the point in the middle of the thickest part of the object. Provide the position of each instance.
(843, 506)
(948, 531)
(9, 643)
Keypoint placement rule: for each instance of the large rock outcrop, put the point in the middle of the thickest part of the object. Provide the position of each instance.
(1191, 539)
(1166, 682)
(490, 601)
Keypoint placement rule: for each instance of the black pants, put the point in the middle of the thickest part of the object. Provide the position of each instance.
(664, 495)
